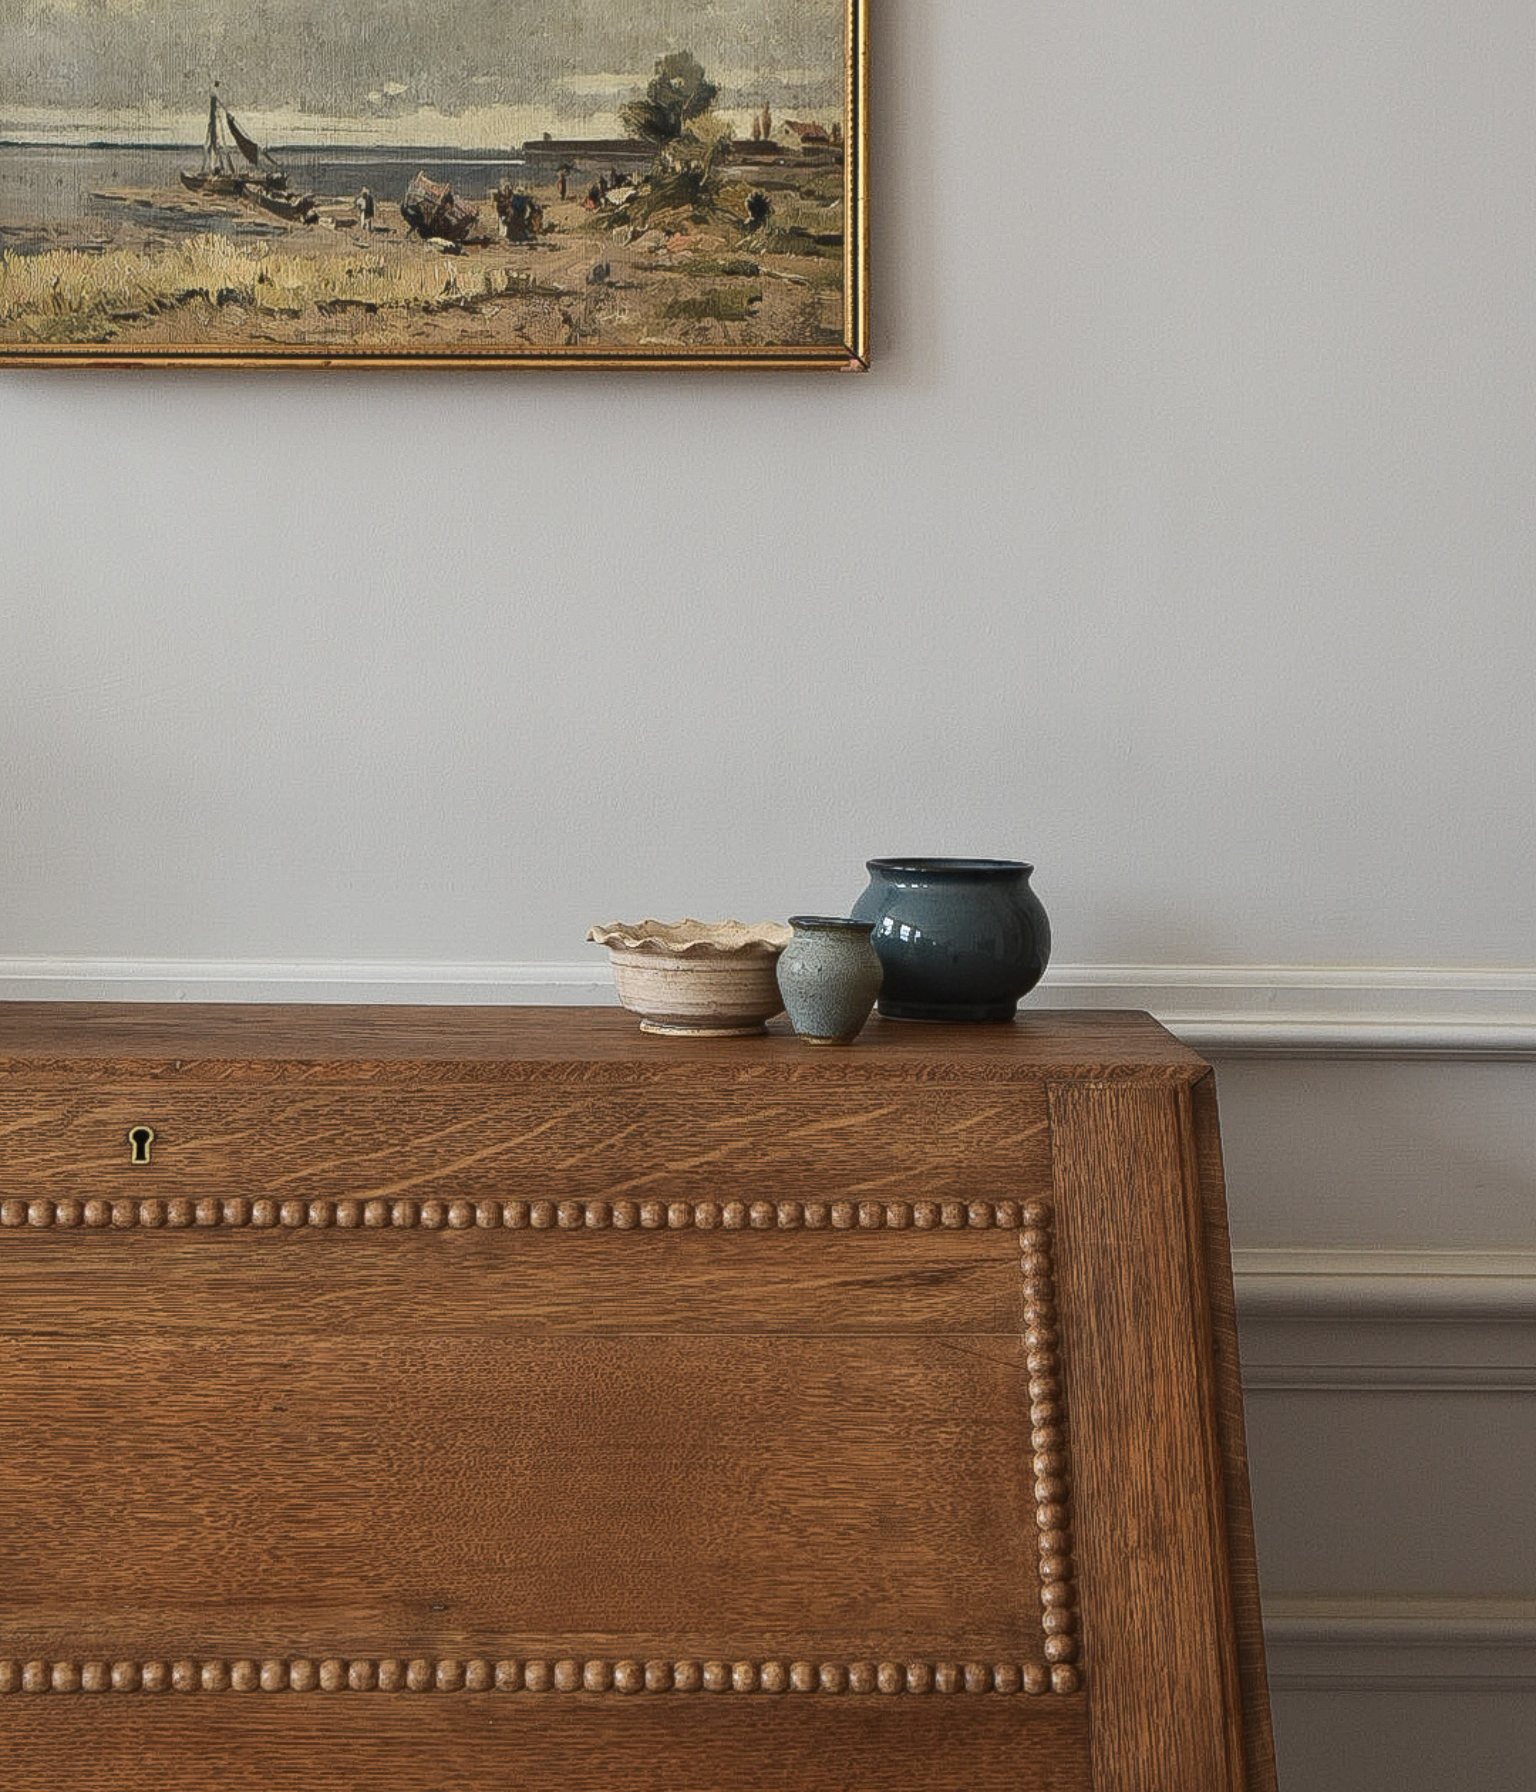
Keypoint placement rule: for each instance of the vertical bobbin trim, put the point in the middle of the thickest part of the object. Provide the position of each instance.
(1049, 1444)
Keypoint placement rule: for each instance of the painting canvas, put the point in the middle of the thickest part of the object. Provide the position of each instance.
(433, 182)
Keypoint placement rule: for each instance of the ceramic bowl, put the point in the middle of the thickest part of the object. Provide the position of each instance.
(708, 979)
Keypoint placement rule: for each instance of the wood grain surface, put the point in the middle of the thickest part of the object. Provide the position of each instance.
(1154, 1572)
(253, 1743)
(628, 1496)
(1242, 1560)
(470, 1397)
(528, 1141)
(472, 1286)
(288, 1043)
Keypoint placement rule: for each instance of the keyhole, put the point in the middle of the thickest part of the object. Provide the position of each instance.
(140, 1138)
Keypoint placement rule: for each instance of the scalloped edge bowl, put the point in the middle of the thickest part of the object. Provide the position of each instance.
(696, 979)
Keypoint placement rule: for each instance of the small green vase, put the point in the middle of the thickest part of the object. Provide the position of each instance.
(829, 975)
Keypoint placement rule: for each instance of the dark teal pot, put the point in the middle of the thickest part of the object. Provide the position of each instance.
(959, 939)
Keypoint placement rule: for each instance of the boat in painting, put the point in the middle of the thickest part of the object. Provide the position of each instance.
(430, 209)
(232, 168)
(296, 208)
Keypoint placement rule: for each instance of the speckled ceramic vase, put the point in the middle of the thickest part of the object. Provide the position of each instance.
(960, 939)
(829, 975)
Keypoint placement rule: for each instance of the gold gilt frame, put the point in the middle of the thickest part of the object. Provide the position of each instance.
(697, 198)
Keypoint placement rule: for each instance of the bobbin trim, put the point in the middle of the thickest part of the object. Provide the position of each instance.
(543, 1674)
(1049, 1440)
(265, 1213)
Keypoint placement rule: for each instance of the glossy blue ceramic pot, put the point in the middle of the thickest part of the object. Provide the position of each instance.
(959, 939)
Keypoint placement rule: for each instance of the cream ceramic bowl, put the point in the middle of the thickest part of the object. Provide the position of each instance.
(696, 978)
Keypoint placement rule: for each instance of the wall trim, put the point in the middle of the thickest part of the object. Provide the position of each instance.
(1374, 1323)
(1320, 1010)
(1236, 1010)
(1384, 1642)
(1424, 1286)
(302, 980)
(1387, 1321)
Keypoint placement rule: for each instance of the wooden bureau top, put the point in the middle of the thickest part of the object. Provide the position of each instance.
(515, 1042)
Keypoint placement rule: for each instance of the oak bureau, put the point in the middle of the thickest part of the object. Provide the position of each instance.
(456, 1399)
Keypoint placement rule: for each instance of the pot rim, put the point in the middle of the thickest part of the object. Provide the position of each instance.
(940, 867)
(689, 940)
(831, 923)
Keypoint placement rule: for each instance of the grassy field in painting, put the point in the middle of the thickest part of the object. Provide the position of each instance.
(686, 279)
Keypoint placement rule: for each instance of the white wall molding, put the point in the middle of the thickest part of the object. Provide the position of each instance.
(302, 980)
(1320, 1010)
(1253, 1010)
(1383, 1642)
(1387, 1321)
(1423, 1286)
(1380, 1324)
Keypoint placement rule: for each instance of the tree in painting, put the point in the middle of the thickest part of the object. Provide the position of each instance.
(678, 94)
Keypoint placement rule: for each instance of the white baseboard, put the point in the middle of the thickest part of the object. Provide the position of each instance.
(1262, 1010)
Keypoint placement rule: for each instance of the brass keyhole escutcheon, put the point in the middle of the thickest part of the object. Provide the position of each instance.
(140, 1138)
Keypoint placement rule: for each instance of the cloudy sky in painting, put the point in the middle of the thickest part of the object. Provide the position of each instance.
(473, 72)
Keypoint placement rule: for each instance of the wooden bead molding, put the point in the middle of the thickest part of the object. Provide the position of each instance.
(1049, 1441)
(540, 1675)
(183, 1212)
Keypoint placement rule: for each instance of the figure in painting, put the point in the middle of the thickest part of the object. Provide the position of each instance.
(521, 219)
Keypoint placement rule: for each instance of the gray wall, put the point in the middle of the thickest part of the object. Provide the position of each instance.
(1181, 541)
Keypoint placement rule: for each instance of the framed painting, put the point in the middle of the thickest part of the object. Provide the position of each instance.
(454, 183)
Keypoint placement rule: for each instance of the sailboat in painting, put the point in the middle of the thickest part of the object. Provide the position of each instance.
(222, 174)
